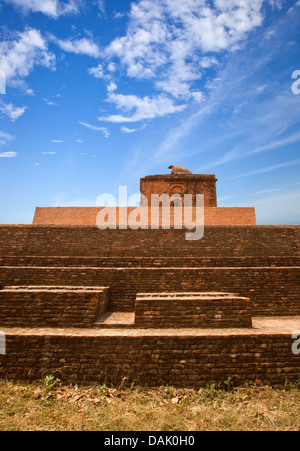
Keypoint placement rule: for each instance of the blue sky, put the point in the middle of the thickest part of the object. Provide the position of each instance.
(101, 93)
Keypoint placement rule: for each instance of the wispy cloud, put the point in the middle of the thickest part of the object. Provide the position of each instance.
(280, 188)
(272, 122)
(57, 141)
(276, 144)
(83, 46)
(128, 130)
(271, 168)
(104, 130)
(101, 6)
(5, 138)
(50, 102)
(8, 155)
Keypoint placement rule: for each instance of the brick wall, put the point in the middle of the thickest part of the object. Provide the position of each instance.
(260, 262)
(218, 241)
(273, 291)
(88, 216)
(184, 184)
(148, 262)
(189, 361)
(51, 306)
(197, 310)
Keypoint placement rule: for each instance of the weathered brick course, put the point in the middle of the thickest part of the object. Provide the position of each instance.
(192, 310)
(182, 184)
(52, 306)
(86, 241)
(152, 262)
(273, 291)
(188, 360)
(88, 216)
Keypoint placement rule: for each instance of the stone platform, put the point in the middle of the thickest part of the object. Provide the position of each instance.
(52, 306)
(179, 357)
(200, 310)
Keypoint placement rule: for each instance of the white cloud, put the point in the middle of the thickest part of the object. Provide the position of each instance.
(21, 54)
(8, 155)
(175, 36)
(119, 15)
(111, 87)
(100, 72)
(57, 141)
(29, 92)
(129, 130)
(104, 130)
(140, 108)
(49, 153)
(48, 7)
(172, 43)
(12, 111)
(97, 72)
(51, 8)
(82, 46)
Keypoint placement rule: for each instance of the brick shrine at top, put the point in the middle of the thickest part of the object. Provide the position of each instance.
(180, 182)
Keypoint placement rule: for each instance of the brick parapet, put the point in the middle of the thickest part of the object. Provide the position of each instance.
(87, 241)
(88, 216)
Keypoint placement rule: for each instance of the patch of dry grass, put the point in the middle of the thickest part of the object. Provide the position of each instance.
(49, 405)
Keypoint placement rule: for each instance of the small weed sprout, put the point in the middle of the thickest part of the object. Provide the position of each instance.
(51, 383)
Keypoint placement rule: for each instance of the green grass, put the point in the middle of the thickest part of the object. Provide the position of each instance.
(49, 405)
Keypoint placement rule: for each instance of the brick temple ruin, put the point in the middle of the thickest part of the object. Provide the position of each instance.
(148, 306)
